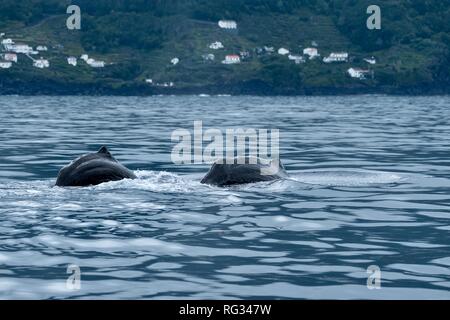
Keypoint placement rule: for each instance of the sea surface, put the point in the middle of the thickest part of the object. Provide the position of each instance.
(369, 188)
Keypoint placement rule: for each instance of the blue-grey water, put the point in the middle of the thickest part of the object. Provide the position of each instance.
(370, 182)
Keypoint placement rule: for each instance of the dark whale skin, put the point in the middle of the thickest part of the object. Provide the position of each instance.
(227, 173)
(93, 169)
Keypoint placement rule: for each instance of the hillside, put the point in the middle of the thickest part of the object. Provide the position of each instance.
(138, 39)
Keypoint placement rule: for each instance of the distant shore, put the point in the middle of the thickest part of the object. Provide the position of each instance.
(255, 87)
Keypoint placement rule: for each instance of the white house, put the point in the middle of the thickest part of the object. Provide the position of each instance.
(336, 57)
(209, 57)
(371, 60)
(165, 84)
(41, 63)
(244, 54)
(283, 51)
(227, 24)
(41, 48)
(269, 49)
(150, 81)
(10, 57)
(7, 41)
(5, 64)
(19, 48)
(216, 45)
(298, 59)
(72, 61)
(357, 73)
(175, 61)
(232, 59)
(259, 50)
(311, 52)
(92, 62)
(97, 64)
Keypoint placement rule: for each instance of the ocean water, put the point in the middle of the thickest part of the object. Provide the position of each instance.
(369, 186)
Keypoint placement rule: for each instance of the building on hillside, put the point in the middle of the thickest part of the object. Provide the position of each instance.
(72, 61)
(97, 64)
(149, 81)
(216, 45)
(5, 64)
(311, 53)
(232, 59)
(10, 57)
(259, 51)
(336, 57)
(19, 48)
(358, 73)
(269, 49)
(84, 57)
(165, 84)
(175, 61)
(283, 51)
(297, 58)
(244, 55)
(371, 60)
(209, 57)
(41, 63)
(7, 41)
(41, 48)
(227, 24)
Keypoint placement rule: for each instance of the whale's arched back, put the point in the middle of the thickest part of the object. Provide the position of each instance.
(93, 169)
(241, 171)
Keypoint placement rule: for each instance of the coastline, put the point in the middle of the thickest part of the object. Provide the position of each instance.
(255, 87)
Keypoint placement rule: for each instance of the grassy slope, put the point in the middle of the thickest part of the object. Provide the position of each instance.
(188, 39)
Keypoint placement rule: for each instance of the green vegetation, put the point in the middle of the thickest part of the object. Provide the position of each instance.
(140, 37)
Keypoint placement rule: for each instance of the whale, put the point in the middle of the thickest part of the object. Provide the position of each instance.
(93, 169)
(243, 170)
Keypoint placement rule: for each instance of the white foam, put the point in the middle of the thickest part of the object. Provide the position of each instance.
(346, 177)
(155, 181)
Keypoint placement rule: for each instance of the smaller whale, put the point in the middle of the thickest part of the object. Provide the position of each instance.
(93, 169)
(243, 170)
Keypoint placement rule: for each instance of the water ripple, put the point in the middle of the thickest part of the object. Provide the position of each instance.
(369, 181)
